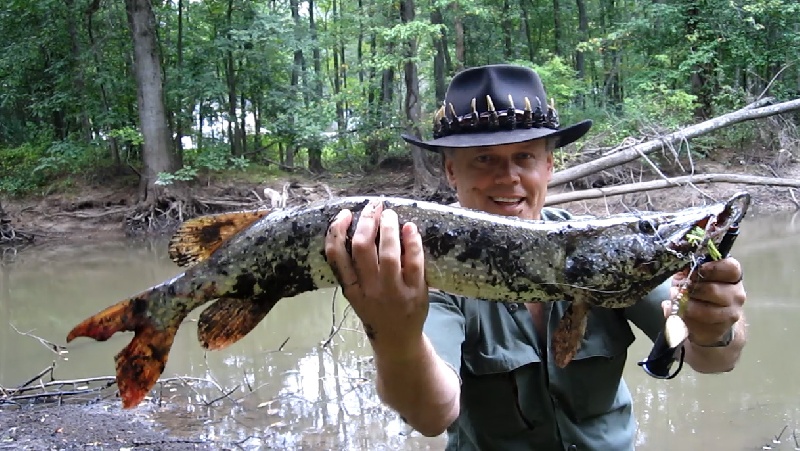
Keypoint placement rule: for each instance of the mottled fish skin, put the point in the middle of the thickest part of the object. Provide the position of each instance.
(610, 262)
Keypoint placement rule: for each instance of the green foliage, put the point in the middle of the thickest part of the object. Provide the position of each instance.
(17, 166)
(127, 134)
(197, 162)
(657, 103)
(558, 77)
(62, 157)
(67, 73)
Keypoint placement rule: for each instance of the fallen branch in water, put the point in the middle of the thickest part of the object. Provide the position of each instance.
(595, 193)
(44, 387)
(334, 327)
(53, 390)
(56, 349)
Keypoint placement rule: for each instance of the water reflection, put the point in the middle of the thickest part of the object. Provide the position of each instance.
(280, 387)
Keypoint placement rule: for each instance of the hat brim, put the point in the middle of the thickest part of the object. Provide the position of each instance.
(565, 136)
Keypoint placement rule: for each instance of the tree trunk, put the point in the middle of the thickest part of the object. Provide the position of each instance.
(257, 96)
(97, 57)
(315, 147)
(458, 25)
(360, 44)
(700, 72)
(230, 75)
(423, 176)
(299, 63)
(79, 78)
(179, 120)
(526, 20)
(583, 36)
(612, 87)
(156, 153)
(556, 28)
(315, 51)
(508, 49)
(337, 83)
(439, 58)
(243, 122)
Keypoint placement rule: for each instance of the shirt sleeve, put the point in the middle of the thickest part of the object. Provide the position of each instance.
(647, 314)
(445, 328)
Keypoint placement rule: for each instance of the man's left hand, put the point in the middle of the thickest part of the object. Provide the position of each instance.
(716, 296)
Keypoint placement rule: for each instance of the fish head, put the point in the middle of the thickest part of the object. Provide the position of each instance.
(618, 260)
(688, 232)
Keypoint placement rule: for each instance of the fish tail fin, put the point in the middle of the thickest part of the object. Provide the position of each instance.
(141, 362)
(570, 331)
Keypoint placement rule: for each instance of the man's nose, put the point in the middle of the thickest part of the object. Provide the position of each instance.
(506, 172)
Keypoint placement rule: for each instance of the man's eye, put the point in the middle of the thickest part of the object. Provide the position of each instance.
(483, 158)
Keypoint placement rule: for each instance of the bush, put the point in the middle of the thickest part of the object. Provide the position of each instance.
(17, 164)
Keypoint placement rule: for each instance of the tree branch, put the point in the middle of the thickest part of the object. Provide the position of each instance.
(596, 193)
(634, 152)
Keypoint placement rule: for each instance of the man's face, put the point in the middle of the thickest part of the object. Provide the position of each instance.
(509, 180)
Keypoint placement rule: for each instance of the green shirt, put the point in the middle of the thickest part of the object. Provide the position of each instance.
(514, 397)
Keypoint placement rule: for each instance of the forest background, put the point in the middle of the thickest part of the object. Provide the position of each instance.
(161, 95)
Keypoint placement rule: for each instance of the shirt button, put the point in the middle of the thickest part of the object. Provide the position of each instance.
(572, 448)
(513, 307)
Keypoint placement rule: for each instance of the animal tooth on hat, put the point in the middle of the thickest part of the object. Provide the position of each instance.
(538, 114)
(494, 119)
(511, 113)
(474, 113)
(527, 116)
(455, 125)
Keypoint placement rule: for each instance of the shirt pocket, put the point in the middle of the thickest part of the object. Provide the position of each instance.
(591, 384)
(491, 402)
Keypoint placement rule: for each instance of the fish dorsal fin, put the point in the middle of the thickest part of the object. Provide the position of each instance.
(198, 238)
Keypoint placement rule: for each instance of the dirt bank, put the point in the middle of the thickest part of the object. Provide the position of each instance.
(94, 212)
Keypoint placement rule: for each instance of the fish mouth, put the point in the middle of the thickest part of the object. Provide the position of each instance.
(714, 225)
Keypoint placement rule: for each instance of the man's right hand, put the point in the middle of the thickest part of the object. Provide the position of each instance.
(384, 282)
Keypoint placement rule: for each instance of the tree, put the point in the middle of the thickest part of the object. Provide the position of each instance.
(157, 154)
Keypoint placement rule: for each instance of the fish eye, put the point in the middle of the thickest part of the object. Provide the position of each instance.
(647, 227)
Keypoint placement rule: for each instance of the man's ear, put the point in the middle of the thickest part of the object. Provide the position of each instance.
(448, 170)
(550, 165)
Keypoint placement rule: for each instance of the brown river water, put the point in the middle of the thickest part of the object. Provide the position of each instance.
(281, 387)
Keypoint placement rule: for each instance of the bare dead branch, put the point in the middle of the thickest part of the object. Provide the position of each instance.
(596, 193)
(631, 154)
(54, 348)
(347, 311)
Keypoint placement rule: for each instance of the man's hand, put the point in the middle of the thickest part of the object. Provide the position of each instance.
(716, 297)
(384, 283)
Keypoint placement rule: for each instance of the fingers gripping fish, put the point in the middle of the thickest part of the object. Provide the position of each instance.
(246, 262)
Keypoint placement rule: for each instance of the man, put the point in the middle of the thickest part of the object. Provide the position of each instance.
(482, 370)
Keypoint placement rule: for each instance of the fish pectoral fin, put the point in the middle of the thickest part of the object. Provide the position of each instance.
(198, 238)
(571, 329)
(228, 320)
(140, 364)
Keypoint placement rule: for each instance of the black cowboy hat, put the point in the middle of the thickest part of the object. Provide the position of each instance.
(493, 105)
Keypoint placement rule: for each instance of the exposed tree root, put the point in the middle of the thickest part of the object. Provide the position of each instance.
(9, 235)
(164, 215)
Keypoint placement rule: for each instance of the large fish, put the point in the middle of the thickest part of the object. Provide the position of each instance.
(248, 261)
